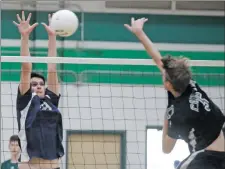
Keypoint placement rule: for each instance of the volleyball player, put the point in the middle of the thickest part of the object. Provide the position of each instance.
(191, 115)
(39, 120)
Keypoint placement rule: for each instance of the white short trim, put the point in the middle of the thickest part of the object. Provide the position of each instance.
(188, 161)
(22, 132)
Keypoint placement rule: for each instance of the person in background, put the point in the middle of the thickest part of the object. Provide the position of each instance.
(14, 148)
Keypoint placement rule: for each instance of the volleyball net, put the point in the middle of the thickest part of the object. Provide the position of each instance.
(107, 106)
(107, 103)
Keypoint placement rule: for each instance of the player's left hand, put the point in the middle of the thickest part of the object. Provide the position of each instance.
(136, 26)
(23, 24)
(50, 31)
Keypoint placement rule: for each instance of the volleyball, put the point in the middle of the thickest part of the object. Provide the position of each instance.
(64, 22)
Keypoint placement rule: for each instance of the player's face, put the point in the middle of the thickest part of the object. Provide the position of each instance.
(38, 86)
(14, 147)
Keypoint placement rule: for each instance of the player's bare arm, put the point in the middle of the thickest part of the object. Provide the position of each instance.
(136, 28)
(52, 81)
(168, 143)
(25, 29)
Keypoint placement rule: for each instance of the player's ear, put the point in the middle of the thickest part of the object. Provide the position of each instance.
(168, 85)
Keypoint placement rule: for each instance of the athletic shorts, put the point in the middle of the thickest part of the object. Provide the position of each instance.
(204, 160)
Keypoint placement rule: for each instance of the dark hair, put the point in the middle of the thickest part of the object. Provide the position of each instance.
(14, 138)
(33, 74)
(177, 72)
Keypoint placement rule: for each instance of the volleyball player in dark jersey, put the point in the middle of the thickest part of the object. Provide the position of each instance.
(39, 119)
(191, 115)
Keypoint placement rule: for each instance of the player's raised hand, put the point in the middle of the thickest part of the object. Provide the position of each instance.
(23, 24)
(50, 31)
(136, 26)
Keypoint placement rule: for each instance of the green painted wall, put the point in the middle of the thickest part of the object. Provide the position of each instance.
(119, 73)
(109, 27)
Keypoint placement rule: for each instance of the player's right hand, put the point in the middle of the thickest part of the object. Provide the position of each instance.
(24, 26)
(136, 26)
(50, 31)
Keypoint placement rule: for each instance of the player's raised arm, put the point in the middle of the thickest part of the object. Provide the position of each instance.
(136, 27)
(25, 29)
(53, 84)
(168, 143)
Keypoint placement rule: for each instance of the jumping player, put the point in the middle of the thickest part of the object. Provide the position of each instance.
(39, 120)
(191, 115)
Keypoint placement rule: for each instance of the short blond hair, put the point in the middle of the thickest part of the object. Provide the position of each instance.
(177, 72)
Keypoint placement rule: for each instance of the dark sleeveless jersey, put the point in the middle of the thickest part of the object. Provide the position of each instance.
(194, 118)
(40, 126)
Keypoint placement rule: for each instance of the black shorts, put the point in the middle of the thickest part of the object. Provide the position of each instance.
(204, 160)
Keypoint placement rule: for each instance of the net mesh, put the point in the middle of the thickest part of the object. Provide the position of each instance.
(105, 114)
(106, 109)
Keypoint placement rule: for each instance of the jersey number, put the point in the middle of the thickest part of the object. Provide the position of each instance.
(195, 99)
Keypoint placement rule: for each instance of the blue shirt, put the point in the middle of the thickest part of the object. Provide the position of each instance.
(40, 126)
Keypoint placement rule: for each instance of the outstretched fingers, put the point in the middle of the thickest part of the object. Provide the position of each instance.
(44, 24)
(29, 17)
(132, 20)
(18, 18)
(33, 26)
(144, 20)
(23, 16)
(49, 18)
(15, 23)
(128, 27)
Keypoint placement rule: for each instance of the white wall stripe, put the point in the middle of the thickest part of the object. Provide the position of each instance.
(120, 45)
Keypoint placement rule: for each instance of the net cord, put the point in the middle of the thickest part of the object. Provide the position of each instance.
(101, 61)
